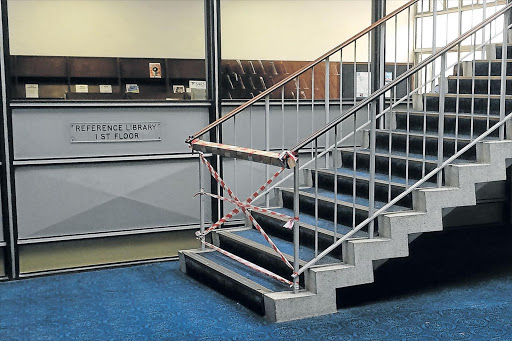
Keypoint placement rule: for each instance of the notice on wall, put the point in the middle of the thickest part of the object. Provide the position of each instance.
(197, 85)
(105, 89)
(82, 88)
(132, 88)
(32, 90)
(155, 70)
(388, 78)
(115, 132)
(362, 84)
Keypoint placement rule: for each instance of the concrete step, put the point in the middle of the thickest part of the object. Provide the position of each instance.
(230, 277)
(475, 104)
(478, 85)
(485, 67)
(463, 123)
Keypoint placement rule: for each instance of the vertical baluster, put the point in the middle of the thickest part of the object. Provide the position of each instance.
(316, 197)
(312, 104)
(235, 166)
(408, 102)
(251, 142)
(503, 78)
(372, 108)
(440, 134)
(327, 107)
(341, 95)
(473, 71)
(201, 202)
(424, 136)
(434, 31)
(489, 79)
(267, 143)
(354, 154)
(296, 226)
(297, 83)
(335, 161)
(282, 119)
(457, 100)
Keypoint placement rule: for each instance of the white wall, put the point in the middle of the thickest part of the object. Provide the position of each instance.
(251, 29)
(109, 28)
(299, 29)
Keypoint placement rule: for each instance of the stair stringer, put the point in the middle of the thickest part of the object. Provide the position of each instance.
(393, 242)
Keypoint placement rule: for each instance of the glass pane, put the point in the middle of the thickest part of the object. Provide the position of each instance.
(103, 50)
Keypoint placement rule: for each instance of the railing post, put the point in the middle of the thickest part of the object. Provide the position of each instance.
(267, 142)
(371, 185)
(296, 226)
(201, 204)
(503, 78)
(440, 130)
(327, 105)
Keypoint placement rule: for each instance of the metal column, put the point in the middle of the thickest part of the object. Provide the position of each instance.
(213, 74)
(7, 174)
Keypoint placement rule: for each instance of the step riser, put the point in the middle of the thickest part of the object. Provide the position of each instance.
(499, 49)
(325, 209)
(266, 261)
(481, 68)
(398, 166)
(345, 186)
(224, 285)
(480, 105)
(398, 144)
(275, 227)
(416, 123)
(481, 86)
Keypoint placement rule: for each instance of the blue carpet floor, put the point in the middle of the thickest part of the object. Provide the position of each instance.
(158, 302)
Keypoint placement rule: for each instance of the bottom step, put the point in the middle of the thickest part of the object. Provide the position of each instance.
(230, 277)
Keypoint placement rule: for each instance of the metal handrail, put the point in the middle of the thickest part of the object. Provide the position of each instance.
(300, 71)
(399, 79)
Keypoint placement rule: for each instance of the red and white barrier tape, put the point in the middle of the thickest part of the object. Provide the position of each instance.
(217, 177)
(249, 264)
(290, 220)
(236, 211)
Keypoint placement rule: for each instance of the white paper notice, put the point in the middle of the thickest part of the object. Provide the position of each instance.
(197, 84)
(82, 88)
(362, 86)
(105, 89)
(32, 90)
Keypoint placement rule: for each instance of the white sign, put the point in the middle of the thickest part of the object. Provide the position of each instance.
(32, 90)
(362, 85)
(105, 89)
(197, 85)
(82, 88)
(115, 132)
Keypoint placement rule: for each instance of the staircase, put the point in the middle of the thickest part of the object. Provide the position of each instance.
(427, 158)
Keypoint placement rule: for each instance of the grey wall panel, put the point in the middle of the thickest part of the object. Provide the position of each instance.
(304, 118)
(87, 198)
(45, 133)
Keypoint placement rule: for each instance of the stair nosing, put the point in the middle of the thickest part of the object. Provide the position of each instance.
(310, 227)
(255, 245)
(338, 202)
(359, 177)
(253, 286)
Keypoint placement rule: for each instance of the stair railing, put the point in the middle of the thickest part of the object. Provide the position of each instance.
(463, 104)
(341, 133)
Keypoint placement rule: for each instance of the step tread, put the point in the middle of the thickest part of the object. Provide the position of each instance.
(305, 253)
(492, 116)
(323, 224)
(349, 199)
(460, 95)
(242, 270)
(431, 159)
(379, 177)
(446, 135)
